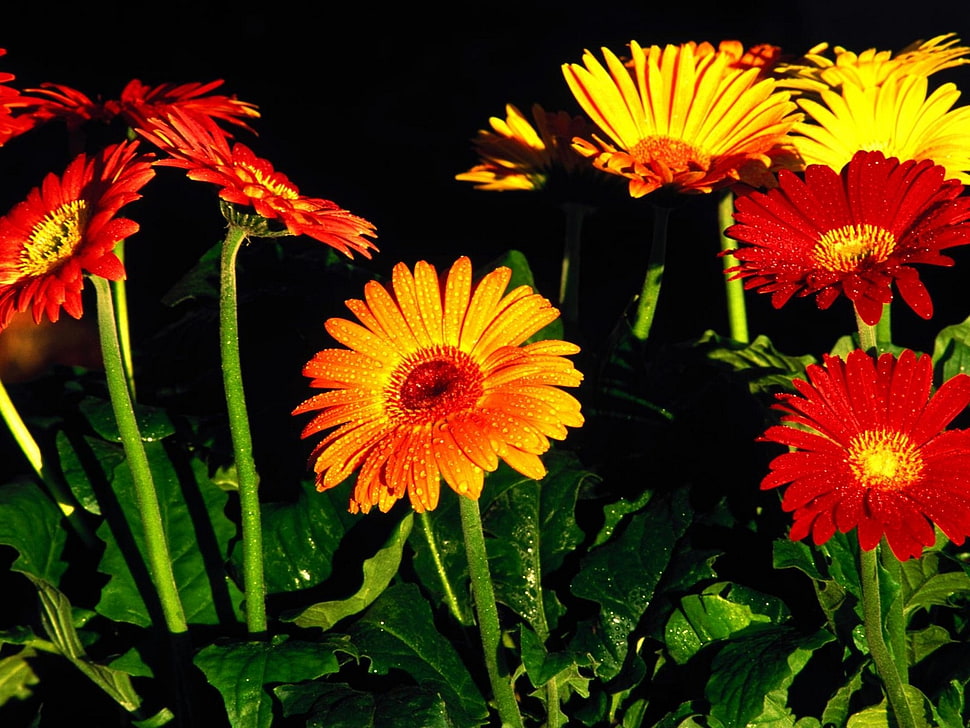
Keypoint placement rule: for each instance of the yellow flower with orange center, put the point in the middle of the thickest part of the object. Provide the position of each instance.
(436, 382)
(684, 117)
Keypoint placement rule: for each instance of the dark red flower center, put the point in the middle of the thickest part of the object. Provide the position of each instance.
(849, 247)
(884, 459)
(432, 384)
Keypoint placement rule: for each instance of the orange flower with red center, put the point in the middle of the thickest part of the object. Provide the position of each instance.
(67, 227)
(436, 383)
(682, 117)
(244, 179)
(870, 450)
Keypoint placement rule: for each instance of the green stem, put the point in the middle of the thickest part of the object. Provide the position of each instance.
(892, 679)
(884, 331)
(569, 277)
(156, 546)
(488, 626)
(63, 497)
(867, 336)
(734, 288)
(120, 292)
(895, 620)
(450, 597)
(647, 304)
(254, 584)
(875, 339)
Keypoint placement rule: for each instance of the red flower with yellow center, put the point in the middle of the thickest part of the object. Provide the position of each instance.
(435, 383)
(685, 117)
(855, 233)
(871, 451)
(245, 179)
(66, 227)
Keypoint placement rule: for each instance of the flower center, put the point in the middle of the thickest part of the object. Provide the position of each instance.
(671, 153)
(431, 384)
(268, 182)
(53, 239)
(884, 459)
(845, 249)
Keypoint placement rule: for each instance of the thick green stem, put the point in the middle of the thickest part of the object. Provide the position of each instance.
(734, 288)
(65, 501)
(892, 679)
(867, 336)
(156, 545)
(487, 610)
(647, 303)
(569, 277)
(254, 584)
(451, 598)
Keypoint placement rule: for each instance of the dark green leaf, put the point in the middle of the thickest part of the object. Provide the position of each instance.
(17, 676)
(378, 572)
(339, 706)
(951, 351)
(398, 632)
(33, 524)
(153, 422)
(193, 515)
(241, 670)
(763, 366)
(77, 466)
(200, 282)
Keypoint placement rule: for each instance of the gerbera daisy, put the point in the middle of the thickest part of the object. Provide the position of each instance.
(435, 383)
(199, 147)
(15, 117)
(679, 118)
(519, 156)
(854, 233)
(896, 118)
(815, 72)
(66, 227)
(875, 455)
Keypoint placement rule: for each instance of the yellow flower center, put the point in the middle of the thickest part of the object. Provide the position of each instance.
(53, 239)
(266, 182)
(432, 384)
(884, 459)
(845, 249)
(671, 153)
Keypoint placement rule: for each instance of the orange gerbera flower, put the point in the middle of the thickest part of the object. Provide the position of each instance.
(815, 72)
(681, 117)
(199, 146)
(66, 227)
(519, 156)
(435, 383)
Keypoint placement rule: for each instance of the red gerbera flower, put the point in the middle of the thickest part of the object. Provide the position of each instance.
(854, 233)
(251, 181)
(66, 227)
(876, 455)
(14, 117)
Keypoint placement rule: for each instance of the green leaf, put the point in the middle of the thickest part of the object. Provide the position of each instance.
(378, 572)
(925, 587)
(837, 709)
(951, 704)
(153, 422)
(198, 531)
(749, 668)
(719, 611)
(240, 670)
(340, 706)
(531, 527)
(78, 474)
(200, 282)
(398, 632)
(17, 676)
(951, 351)
(301, 538)
(926, 641)
(765, 368)
(32, 524)
(440, 561)
(878, 716)
(622, 575)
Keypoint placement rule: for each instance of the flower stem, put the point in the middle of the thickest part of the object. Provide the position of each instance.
(120, 292)
(647, 305)
(867, 336)
(734, 288)
(569, 277)
(488, 626)
(62, 496)
(892, 679)
(146, 498)
(254, 584)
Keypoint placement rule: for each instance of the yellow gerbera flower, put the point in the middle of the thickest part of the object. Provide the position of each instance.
(519, 156)
(815, 72)
(435, 383)
(681, 117)
(896, 118)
